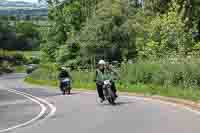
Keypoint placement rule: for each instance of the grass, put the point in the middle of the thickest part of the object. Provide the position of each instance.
(20, 69)
(24, 53)
(30, 53)
(179, 79)
(146, 89)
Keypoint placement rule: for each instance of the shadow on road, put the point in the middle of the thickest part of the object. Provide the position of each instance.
(120, 103)
(123, 103)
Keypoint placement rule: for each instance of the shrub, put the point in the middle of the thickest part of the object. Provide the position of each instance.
(34, 60)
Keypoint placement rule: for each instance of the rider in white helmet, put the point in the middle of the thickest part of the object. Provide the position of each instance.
(99, 78)
(102, 62)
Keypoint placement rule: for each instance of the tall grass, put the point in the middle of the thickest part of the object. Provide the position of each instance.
(177, 78)
(184, 73)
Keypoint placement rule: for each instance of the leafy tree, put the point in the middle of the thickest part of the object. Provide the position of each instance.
(107, 35)
(167, 33)
(119, 29)
(67, 17)
(22, 37)
(27, 30)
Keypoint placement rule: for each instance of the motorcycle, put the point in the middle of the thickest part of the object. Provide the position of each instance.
(65, 86)
(108, 92)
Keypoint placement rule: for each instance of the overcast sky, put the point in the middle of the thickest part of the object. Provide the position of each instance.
(33, 1)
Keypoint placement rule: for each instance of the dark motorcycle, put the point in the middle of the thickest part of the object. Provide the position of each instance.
(66, 86)
(108, 93)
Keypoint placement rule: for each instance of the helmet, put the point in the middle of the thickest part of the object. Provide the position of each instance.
(102, 62)
(63, 68)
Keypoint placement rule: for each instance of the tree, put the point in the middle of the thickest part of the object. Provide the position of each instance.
(107, 34)
(167, 33)
(67, 17)
(27, 17)
(27, 30)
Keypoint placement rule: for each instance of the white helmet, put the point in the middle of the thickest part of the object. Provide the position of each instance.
(102, 62)
(63, 68)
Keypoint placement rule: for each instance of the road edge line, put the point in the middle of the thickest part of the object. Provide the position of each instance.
(42, 112)
(51, 106)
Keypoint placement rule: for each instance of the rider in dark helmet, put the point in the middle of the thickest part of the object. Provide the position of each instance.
(64, 73)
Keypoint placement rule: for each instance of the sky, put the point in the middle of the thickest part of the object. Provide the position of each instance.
(33, 1)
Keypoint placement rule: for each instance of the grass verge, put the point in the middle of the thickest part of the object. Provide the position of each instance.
(146, 89)
(20, 69)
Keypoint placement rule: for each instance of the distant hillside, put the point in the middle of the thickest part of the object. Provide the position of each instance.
(22, 8)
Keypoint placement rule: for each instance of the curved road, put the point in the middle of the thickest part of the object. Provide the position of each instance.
(80, 112)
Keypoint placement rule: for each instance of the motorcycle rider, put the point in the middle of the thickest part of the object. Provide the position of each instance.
(99, 78)
(64, 73)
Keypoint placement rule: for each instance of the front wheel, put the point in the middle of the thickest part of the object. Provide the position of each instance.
(68, 91)
(63, 92)
(111, 98)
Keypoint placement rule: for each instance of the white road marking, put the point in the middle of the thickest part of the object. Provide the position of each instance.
(43, 110)
(37, 100)
(51, 106)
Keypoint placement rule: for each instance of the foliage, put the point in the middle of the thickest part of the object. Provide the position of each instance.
(22, 36)
(168, 72)
(167, 33)
(67, 18)
(118, 29)
(27, 30)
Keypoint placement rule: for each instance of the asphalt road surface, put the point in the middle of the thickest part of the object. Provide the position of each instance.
(81, 113)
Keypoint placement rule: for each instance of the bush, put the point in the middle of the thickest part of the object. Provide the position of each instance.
(34, 60)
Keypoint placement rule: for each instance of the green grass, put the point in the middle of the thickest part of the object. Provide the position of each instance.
(149, 78)
(20, 69)
(146, 89)
(30, 53)
(24, 53)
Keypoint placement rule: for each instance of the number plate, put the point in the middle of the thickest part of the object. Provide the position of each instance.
(65, 80)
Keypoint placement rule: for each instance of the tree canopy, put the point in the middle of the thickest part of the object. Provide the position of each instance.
(120, 29)
(18, 35)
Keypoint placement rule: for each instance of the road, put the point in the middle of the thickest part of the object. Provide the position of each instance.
(81, 113)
